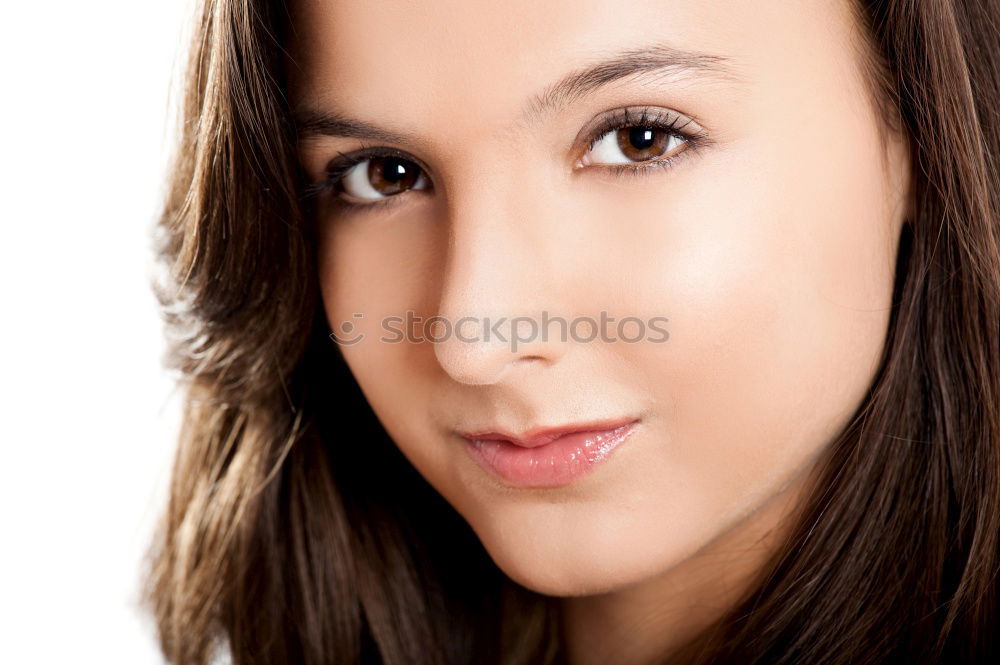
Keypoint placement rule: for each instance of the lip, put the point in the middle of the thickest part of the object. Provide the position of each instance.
(548, 457)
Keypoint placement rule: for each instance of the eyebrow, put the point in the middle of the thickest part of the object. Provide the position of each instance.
(657, 59)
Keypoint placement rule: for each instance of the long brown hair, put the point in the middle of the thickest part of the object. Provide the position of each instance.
(280, 546)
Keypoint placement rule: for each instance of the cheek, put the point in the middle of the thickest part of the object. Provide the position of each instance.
(383, 267)
(380, 264)
(777, 286)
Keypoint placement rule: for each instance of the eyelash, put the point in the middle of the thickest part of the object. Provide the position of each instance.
(628, 117)
(343, 163)
(621, 119)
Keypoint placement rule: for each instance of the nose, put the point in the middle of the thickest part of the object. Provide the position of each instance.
(500, 287)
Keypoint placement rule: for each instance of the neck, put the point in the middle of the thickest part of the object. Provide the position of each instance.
(646, 622)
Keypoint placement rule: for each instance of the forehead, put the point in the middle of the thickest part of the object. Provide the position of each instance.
(475, 65)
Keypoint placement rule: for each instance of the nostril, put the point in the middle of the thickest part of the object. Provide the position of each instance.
(530, 358)
(482, 363)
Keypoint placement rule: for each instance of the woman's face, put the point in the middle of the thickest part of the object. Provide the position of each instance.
(712, 169)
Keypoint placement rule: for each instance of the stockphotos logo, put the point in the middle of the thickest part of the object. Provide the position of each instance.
(514, 331)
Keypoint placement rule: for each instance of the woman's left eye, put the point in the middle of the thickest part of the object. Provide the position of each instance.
(630, 140)
(630, 145)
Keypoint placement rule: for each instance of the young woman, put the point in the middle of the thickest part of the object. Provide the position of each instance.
(586, 332)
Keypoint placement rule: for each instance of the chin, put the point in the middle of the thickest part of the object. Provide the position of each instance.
(564, 576)
(592, 558)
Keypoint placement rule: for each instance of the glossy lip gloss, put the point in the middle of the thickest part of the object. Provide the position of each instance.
(550, 459)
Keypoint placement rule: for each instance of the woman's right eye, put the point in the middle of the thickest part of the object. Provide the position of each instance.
(379, 177)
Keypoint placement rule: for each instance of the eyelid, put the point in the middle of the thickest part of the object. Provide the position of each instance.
(693, 135)
(629, 116)
(345, 161)
(337, 167)
(617, 118)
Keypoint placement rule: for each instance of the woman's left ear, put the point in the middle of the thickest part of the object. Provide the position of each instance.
(901, 163)
(910, 195)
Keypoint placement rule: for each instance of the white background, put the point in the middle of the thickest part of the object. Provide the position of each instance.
(88, 414)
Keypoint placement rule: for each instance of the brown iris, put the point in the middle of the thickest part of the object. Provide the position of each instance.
(642, 143)
(391, 175)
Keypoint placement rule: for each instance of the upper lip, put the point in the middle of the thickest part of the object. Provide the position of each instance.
(539, 436)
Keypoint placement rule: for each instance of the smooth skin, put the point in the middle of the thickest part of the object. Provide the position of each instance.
(770, 248)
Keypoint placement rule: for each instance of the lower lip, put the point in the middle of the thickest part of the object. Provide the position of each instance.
(555, 464)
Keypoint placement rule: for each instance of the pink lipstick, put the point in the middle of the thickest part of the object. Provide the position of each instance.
(548, 457)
